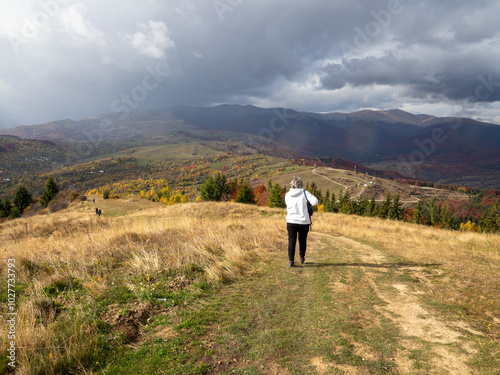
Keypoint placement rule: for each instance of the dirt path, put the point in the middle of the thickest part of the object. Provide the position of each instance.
(363, 189)
(444, 341)
(329, 179)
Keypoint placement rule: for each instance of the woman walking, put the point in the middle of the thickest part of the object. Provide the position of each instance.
(297, 218)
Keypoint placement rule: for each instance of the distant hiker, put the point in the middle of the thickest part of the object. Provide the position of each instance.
(93, 200)
(96, 211)
(99, 212)
(298, 219)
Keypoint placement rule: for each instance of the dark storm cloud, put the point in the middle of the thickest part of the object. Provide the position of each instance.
(71, 59)
(421, 78)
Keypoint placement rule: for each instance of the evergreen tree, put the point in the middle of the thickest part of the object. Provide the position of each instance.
(345, 202)
(314, 190)
(446, 219)
(207, 192)
(418, 214)
(490, 222)
(3, 209)
(22, 198)
(396, 210)
(484, 223)
(276, 197)
(7, 206)
(15, 212)
(245, 194)
(330, 203)
(433, 212)
(51, 189)
(360, 206)
(354, 209)
(371, 208)
(214, 188)
(333, 204)
(341, 200)
(383, 212)
(496, 217)
(326, 198)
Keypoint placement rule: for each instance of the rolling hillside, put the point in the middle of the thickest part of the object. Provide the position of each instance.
(447, 150)
(28, 156)
(366, 186)
(187, 166)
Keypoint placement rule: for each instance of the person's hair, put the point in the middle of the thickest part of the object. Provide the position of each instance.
(296, 183)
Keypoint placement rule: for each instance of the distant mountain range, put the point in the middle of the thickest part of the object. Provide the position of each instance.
(449, 150)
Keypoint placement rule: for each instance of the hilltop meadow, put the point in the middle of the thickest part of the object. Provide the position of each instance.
(204, 288)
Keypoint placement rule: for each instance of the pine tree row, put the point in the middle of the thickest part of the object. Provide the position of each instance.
(217, 188)
(433, 214)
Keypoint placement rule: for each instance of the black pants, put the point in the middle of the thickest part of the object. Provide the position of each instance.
(293, 230)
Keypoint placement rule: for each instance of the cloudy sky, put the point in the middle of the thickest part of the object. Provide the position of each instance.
(74, 59)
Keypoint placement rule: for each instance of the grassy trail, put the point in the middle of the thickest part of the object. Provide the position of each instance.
(349, 310)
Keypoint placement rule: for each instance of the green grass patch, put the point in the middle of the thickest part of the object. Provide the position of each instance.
(63, 285)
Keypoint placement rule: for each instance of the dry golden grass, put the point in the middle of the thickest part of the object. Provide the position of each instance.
(77, 244)
(226, 240)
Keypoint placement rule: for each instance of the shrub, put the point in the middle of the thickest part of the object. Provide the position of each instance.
(469, 227)
(58, 205)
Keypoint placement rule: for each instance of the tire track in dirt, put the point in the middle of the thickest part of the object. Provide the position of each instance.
(418, 327)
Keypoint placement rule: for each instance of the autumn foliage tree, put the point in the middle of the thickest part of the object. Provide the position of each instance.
(261, 195)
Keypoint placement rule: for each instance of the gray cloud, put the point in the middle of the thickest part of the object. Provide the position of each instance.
(426, 77)
(72, 59)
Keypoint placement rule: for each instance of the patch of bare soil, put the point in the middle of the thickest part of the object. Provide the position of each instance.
(272, 368)
(128, 324)
(323, 367)
(416, 322)
(164, 333)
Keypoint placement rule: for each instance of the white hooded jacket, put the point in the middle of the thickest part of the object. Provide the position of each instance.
(296, 206)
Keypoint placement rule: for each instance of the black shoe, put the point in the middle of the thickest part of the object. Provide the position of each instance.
(290, 264)
(302, 260)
